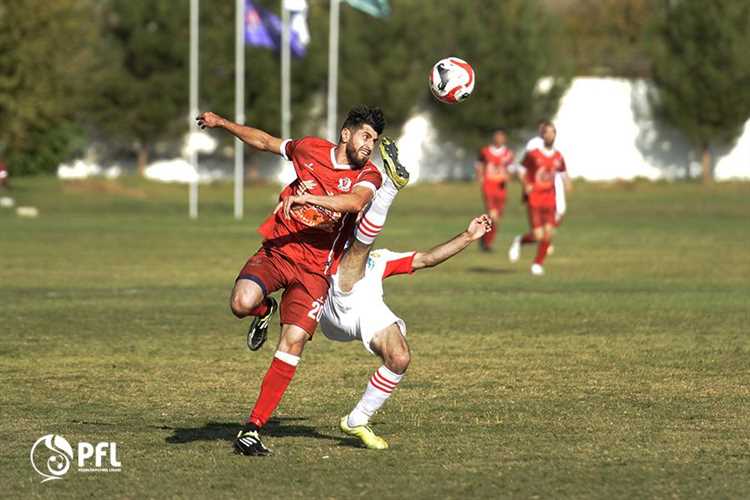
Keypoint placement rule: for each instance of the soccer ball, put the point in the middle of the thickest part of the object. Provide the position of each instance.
(452, 80)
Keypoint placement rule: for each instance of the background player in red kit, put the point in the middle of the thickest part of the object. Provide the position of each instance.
(540, 165)
(493, 176)
(302, 243)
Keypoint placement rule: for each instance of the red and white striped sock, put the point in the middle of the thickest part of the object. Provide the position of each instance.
(379, 389)
(373, 220)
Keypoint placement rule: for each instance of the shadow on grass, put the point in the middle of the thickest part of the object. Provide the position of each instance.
(490, 270)
(225, 431)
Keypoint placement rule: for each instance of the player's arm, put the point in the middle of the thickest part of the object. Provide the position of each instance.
(253, 137)
(431, 258)
(349, 202)
(567, 182)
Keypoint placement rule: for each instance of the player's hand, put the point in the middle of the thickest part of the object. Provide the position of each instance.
(528, 188)
(209, 120)
(290, 201)
(479, 226)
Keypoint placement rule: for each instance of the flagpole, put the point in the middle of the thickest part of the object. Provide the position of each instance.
(286, 52)
(239, 105)
(333, 70)
(194, 37)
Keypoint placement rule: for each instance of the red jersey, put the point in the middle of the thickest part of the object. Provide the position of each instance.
(541, 166)
(314, 237)
(495, 163)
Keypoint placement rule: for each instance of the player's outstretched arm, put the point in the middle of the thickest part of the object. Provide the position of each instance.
(256, 138)
(477, 228)
(349, 202)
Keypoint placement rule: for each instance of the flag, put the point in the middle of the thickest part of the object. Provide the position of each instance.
(377, 8)
(263, 29)
(298, 20)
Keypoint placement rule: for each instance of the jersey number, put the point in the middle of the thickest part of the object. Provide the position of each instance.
(316, 311)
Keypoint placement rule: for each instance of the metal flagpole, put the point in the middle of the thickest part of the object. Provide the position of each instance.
(239, 105)
(333, 70)
(286, 55)
(194, 36)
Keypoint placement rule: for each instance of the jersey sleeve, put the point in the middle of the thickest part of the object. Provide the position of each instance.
(289, 146)
(399, 263)
(562, 168)
(370, 178)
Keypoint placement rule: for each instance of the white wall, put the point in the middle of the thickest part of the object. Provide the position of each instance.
(605, 131)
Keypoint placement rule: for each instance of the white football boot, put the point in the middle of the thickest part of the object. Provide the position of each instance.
(537, 269)
(514, 253)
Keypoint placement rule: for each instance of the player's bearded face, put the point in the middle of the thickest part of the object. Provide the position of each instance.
(549, 134)
(360, 145)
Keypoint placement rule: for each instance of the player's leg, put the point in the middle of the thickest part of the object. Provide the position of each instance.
(390, 345)
(545, 240)
(489, 207)
(352, 266)
(259, 276)
(301, 306)
(492, 204)
(532, 236)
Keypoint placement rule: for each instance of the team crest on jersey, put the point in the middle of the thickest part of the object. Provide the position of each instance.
(345, 184)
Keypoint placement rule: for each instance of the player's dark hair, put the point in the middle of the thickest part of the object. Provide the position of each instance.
(543, 124)
(360, 115)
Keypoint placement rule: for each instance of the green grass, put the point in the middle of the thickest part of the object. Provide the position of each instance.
(622, 373)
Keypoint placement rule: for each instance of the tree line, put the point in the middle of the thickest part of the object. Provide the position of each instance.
(115, 72)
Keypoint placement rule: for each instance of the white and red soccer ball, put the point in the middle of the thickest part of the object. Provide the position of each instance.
(452, 80)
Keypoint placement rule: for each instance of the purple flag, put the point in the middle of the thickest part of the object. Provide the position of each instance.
(263, 29)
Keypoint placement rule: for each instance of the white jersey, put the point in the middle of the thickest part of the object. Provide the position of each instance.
(360, 313)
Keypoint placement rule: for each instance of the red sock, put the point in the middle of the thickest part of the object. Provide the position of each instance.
(261, 309)
(489, 237)
(541, 251)
(272, 389)
(527, 239)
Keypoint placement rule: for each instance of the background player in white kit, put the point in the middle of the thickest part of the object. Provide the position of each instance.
(355, 310)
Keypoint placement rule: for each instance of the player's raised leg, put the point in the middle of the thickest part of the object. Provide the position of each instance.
(352, 266)
(390, 345)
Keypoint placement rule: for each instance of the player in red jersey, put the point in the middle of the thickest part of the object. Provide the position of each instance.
(541, 166)
(303, 241)
(492, 173)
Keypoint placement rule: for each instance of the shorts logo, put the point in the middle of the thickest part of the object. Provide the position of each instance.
(52, 455)
(345, 184)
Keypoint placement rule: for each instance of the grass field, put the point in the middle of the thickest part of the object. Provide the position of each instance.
(622, 373)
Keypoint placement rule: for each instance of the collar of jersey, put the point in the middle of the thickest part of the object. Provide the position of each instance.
(337, 165)
(547, 152)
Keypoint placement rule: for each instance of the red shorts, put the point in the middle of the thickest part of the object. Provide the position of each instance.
(304, 292)
(494, 199)
(541, 216)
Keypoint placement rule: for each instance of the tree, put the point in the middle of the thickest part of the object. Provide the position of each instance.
(605, 37)
(701, 71)
(142, 78)
(509, 45)
(46, 56)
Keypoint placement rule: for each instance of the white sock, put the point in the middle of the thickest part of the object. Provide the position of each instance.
(373, 220)
(379, 388)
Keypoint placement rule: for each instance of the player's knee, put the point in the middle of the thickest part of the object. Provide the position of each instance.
(538, 233)
(398, 359)
(243, 301)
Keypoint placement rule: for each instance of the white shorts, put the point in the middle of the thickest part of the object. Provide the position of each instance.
(360, 313)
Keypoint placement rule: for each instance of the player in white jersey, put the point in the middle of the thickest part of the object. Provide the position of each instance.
(355, 310)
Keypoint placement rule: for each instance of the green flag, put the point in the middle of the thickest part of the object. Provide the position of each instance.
(377, 8)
